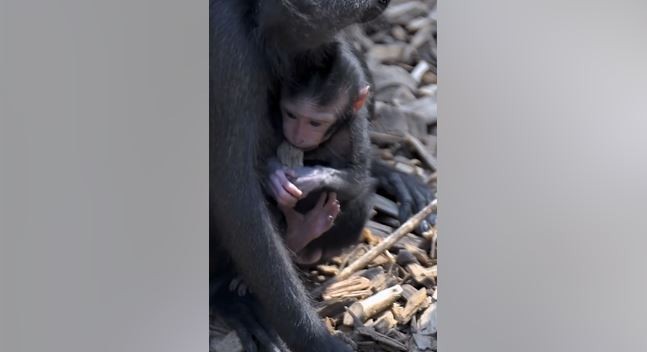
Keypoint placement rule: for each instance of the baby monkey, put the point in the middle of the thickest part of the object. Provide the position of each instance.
(317, 108)
(323, 159)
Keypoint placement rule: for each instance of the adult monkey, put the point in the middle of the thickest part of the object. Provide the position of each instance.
(252, 45)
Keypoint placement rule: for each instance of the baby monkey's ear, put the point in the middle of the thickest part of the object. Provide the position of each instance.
(361, 98)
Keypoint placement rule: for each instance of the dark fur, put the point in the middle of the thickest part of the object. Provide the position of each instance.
(344, 158)
(408, 190)
(252, 44)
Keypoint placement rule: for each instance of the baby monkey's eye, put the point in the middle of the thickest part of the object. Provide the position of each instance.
(315, 123)
(290, 115)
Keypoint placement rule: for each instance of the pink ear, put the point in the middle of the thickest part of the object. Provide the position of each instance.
(361, 98)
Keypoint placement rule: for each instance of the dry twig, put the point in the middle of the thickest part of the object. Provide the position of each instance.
(407, 227)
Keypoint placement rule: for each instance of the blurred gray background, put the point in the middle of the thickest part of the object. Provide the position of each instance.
(103, 176)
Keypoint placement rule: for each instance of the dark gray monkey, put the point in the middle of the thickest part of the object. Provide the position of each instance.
(323, 116)
(253, 45)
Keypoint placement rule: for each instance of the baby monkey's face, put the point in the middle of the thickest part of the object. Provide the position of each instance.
(305, 123)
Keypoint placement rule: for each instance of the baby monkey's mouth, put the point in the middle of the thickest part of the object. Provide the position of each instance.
(303, 148)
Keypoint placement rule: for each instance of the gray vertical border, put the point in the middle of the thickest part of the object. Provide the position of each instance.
(104, 176)
(543, 176)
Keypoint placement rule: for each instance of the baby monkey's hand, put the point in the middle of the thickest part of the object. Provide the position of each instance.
(283, 190)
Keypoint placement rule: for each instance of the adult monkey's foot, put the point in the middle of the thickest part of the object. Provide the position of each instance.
(241, 314)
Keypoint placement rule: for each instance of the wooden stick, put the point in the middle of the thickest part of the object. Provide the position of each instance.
(352, 287)
(431, 178)
(369, 307)
(415, 143)
(389, 241)
(414, 303)
(421, 149)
